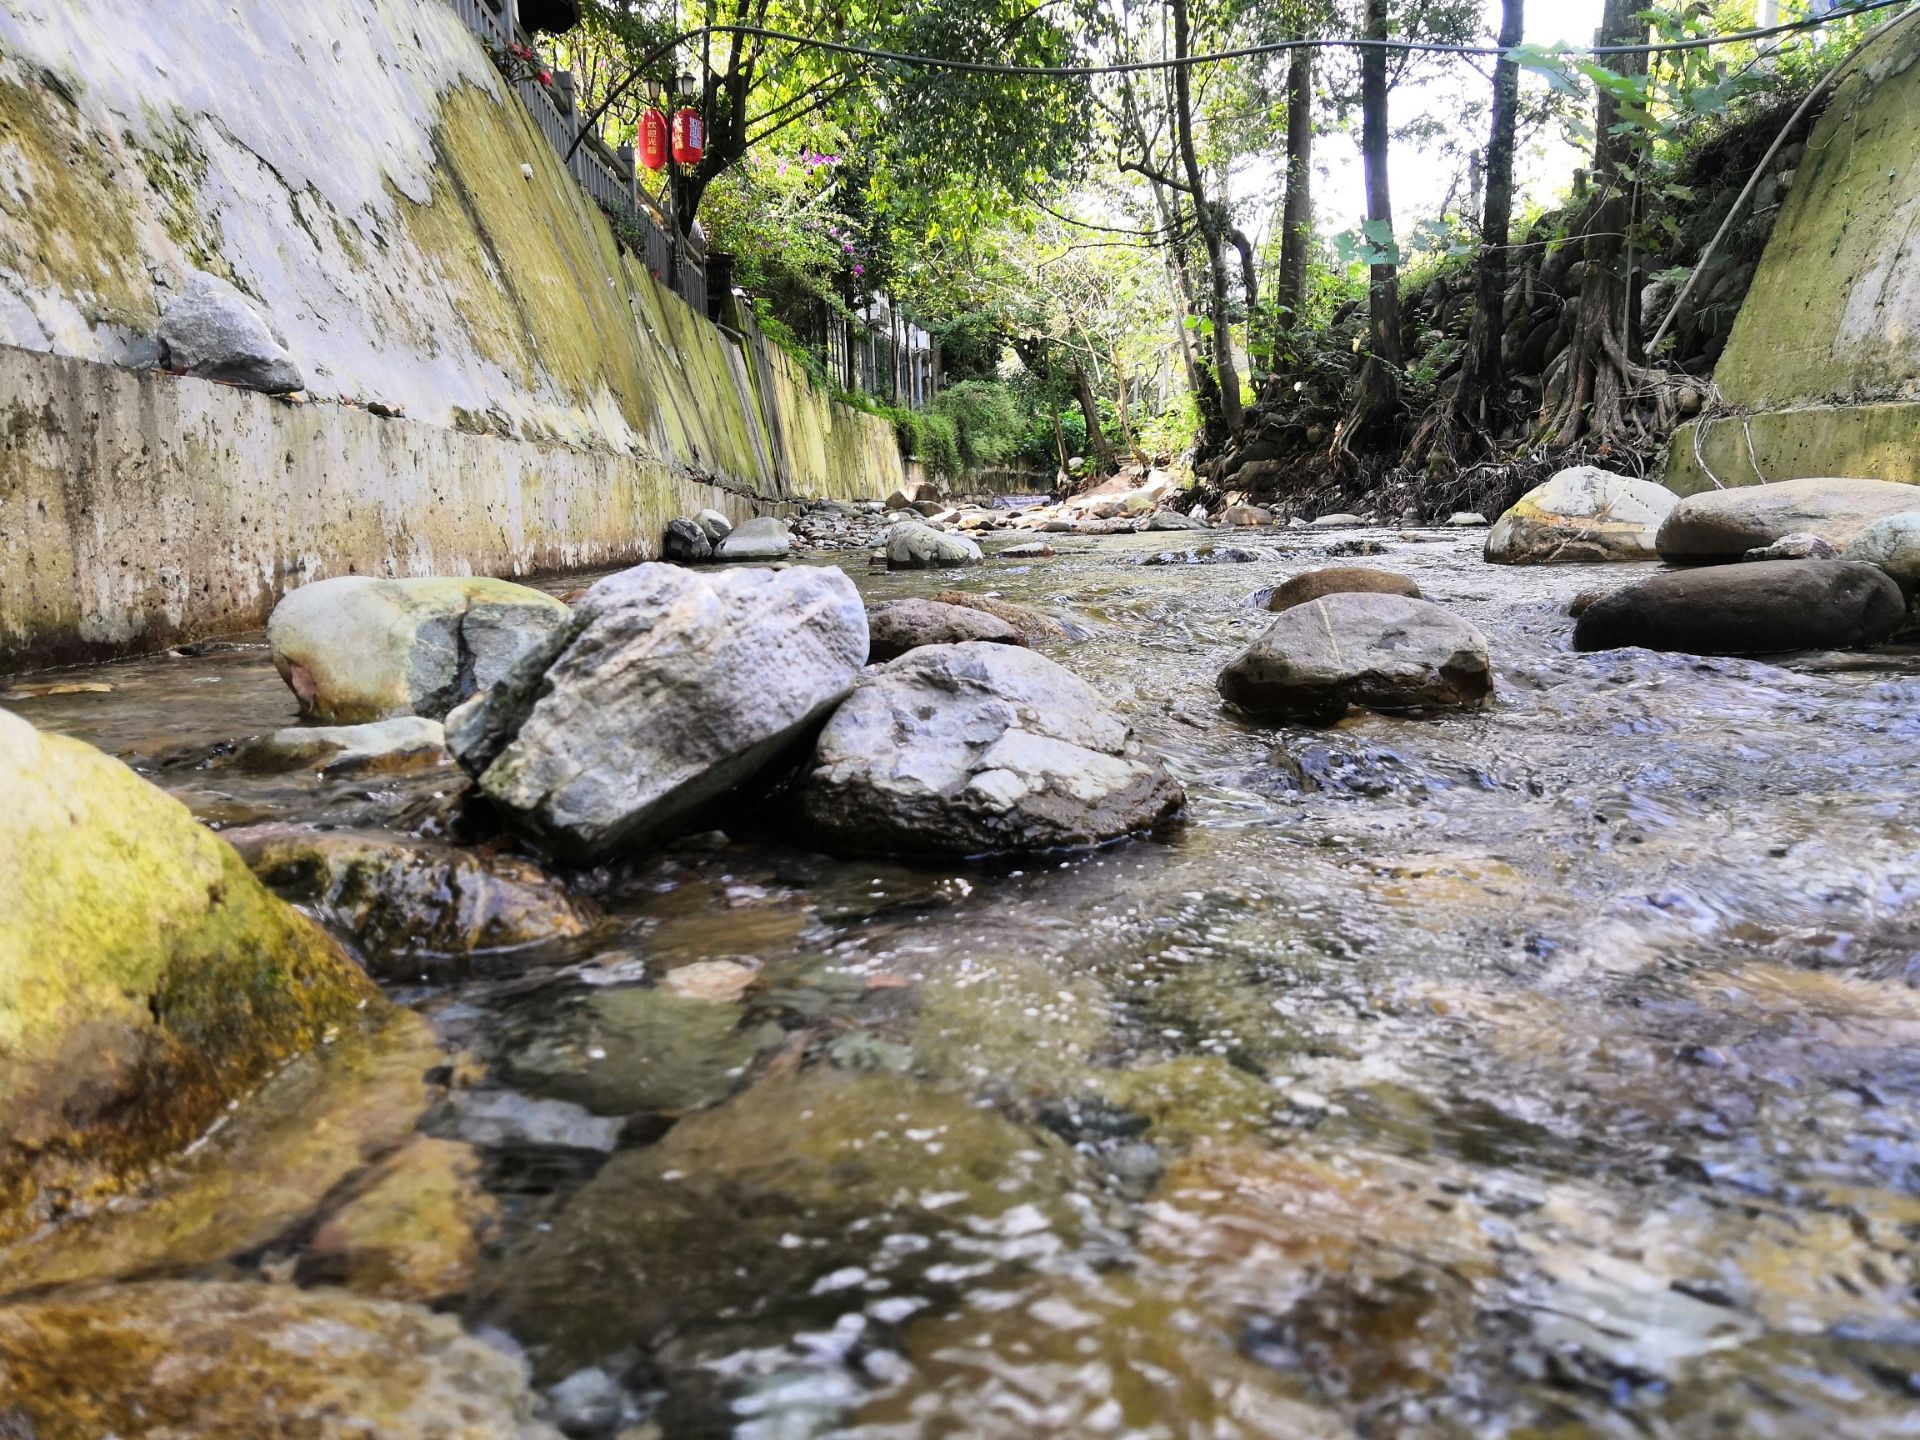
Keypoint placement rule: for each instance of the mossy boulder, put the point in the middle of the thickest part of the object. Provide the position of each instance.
(244, 1361)
(146, 977)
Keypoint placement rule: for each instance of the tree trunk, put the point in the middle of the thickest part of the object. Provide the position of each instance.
(1377, 391)
(1296, 222)
(1586, 397)
(1212, 230)
(1475, 404)
(1097, 447)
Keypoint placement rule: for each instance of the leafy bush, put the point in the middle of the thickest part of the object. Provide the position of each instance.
(986, 420)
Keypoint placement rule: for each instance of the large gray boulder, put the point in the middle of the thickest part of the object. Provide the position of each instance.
(211, 330)
(1754, 608)
(975, 749)
(902, 625)
(356, 649)
(1379, 652)
(668, 687)
(1892, 544)
(1583, 514)
(912, 546)
(1725, 524)
(717, 526)
(763, 539)
(1173, 520)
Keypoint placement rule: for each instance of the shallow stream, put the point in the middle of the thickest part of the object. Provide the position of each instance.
(1547, 1072)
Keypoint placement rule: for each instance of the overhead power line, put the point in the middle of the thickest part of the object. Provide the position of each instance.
(1268, 47)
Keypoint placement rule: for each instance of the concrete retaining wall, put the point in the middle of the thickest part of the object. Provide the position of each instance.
(1823, 366)
(358, 169)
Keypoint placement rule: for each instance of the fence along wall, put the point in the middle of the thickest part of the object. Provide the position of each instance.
(360, 171)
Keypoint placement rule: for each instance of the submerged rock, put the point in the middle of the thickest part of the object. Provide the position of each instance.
(146, 978)
(384, 747)
(1748, 609)
(1339, 580)
(668, 688)
(1037, 629)
(211, 330)
(356, 649)
(1725, 524)
(970, 749)
(1892, 544)
(1340, 520)
(225, 1361)
(1380, 652)
(1173, 520)
(902, 625)
(765, 538)
(911, 546)
(1202, 555)
(1581, 515)
(814, 1177)
(410, 903)
(410, 1232)
(685, 542)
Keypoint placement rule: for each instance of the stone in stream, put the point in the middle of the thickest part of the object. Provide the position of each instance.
(1340, 520)
(668, 688)
(765, 538)
(211, 330)
(1033, 550)
(715, 525)
(412, 1231)
(912, 546)
(1339, 580)
(1246, 515)
(221, 1360)
(1892, 544)
(834, 1161)
(1379, 652)
(356, 649)
(146, 978)
(1466, 519)
(1581, 515)
(1203, 555)
(383, 747)
(1173, 520)
(1748, 609)
(1037, 628)
(685, 542)
(902, 625)
(1725, 524)
(1798, 546)
(412, 906)
(976, 749)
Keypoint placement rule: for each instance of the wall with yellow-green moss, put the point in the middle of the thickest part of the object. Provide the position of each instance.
(1822, 370)
(359, 171)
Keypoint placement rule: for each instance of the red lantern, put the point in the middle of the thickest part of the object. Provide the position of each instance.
(689, 136)
(653, 139)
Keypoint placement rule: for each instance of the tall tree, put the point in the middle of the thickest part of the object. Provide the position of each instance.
(1472, 409)
(1296, 221)
(1586, 397)
(1212, 223)
(1377, 390)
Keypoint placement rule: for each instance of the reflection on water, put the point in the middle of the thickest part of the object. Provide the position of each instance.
(1546, 1072)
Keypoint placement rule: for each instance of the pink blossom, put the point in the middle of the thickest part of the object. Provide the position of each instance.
(546, 77)
(859, 269)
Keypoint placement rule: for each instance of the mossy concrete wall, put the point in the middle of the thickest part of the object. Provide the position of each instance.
(358, 169)
(1823, 367)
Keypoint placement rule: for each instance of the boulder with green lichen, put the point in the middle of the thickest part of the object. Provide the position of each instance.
(146, 977)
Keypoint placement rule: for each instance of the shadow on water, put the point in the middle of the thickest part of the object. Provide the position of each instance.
(1544, 1072)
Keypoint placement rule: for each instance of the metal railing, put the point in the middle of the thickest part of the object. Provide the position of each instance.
(609, 177)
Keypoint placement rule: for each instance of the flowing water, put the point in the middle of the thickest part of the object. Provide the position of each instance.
(1545, 1072)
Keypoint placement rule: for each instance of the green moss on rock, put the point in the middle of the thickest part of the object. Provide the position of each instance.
(146, 977)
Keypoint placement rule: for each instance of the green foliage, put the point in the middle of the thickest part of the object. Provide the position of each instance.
(986, 420)
(930, 438)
